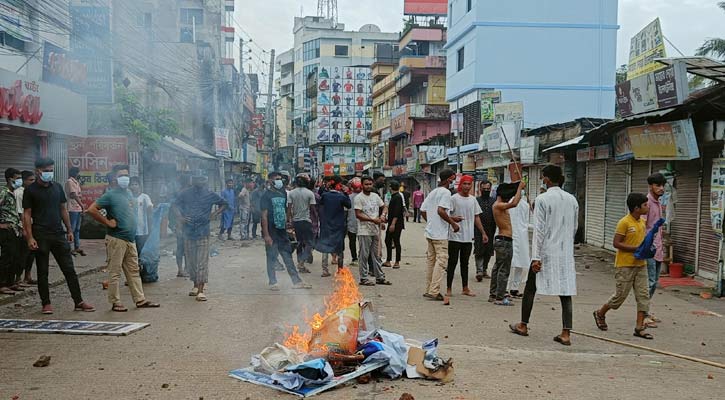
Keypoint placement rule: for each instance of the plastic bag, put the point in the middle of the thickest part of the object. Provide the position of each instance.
(310, 373)
(275, 358)
(338, 332)
(395, 351)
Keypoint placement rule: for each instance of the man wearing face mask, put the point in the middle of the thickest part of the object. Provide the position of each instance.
(484, 251)
(274, 231)
(44, 217)
(10, 264)
(121, 222)
(194, 207)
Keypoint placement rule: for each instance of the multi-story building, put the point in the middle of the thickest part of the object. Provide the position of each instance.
(558, 58)
(44, 104)
(338, 62)
(409, 105)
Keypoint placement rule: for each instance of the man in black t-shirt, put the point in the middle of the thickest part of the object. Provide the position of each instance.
(44, 217)
(274, 230)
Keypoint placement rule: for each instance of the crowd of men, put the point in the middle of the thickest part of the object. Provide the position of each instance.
(39, 217)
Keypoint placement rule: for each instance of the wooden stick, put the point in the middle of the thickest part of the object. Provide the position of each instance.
(663, 352)
(513, 156)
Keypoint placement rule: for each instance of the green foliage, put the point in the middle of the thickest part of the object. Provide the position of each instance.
(150, 125)
(713, 47)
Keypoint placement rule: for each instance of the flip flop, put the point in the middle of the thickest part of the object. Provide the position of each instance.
(148, 304)
(468, 293)
(119, 308)
(515, 329)
(383, 282)
(201, 297)
(504, 303)
(642, 334)
(558, 339)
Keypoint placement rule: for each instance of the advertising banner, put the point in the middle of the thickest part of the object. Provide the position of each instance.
(493, 138)
(344, 112)
(431, 154)
(622, 146)
(665, 141)
(510, 113)
(63, 69)
(41, 106)
(457, 123)
(398, 121)
(95, 157)
(717, 195)
(646, 46)
(346, 154)
(90, 43)
(529, 149)
(651, 91)
(221, 142)
(488, 100)
(426, 7)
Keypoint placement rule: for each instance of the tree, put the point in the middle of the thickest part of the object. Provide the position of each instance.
(713, 47)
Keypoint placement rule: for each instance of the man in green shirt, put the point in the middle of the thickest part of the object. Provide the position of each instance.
(120, 220)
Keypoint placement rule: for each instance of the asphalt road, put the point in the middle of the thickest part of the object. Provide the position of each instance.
(189, 348)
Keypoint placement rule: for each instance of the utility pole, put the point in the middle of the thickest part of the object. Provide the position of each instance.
(270, 87)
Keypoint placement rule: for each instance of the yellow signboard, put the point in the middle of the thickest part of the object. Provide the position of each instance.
(645, 47)
(665, 141)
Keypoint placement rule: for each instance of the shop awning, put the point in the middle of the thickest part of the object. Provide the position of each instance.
(186, 148)
(700, 66)
(568, 143)
(464, 149)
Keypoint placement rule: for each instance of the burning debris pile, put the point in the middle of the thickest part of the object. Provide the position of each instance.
(339, 344)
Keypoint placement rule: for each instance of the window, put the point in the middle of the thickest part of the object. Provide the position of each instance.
(311, 50)
(468, 5)
(143, 20)
(8, 40)
(191, 16)
(186, 35)
(341, 50)
(461, 58)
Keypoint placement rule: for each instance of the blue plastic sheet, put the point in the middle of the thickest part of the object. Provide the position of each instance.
(149, 257)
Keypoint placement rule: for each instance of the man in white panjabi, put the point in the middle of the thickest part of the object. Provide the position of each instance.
(552, 270)
(521, 259)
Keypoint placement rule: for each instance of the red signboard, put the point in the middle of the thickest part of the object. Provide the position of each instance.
(426, 7)
(95, 157)
(329, 169)
(14, 104)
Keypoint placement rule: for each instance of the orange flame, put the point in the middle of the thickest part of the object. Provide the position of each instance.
(346, 294)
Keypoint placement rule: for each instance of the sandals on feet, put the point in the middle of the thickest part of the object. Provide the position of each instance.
(148, 304)
(505, 302)
(468, 293)
(559, 339)
(201, 297)
(642, 334)
(367, 283)
(601, 321)
(383, 282)
(515, 329)
(119, 308)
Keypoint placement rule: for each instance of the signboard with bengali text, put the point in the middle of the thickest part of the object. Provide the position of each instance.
(95, 157)
(425, 7)
(665, 141)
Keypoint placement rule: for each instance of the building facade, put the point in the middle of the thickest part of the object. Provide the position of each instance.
(322, 43)
(558, 58)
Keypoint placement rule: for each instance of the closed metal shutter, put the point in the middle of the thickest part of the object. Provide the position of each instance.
(616, 198)
(640, 173)
(709, 242)
(684, 226)
(17, 150)
(534, 182)
(596, 181)
(58, 151)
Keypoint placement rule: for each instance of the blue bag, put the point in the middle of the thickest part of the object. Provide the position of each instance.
(149, 257)
(647, 249)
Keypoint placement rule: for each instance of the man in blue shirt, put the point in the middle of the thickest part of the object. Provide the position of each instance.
(227, 223)
(121, 248)
(274, 230)
(194, 206)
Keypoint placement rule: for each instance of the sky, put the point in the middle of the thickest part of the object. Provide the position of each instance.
(686, 23)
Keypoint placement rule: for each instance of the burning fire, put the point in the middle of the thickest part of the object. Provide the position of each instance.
(346, 294)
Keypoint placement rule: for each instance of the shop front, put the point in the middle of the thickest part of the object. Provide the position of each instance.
(35, 120)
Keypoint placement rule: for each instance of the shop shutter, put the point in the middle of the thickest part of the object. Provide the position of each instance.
(532, 190)
(616, 198)
(58, 151)
(709, 242)
(684, 226)
(17, 150)
(594, 223)
(640, 173)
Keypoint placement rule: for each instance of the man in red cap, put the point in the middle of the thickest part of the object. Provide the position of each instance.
(460, 243)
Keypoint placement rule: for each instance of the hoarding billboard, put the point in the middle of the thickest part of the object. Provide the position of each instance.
(645, 47)
(425, 7)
